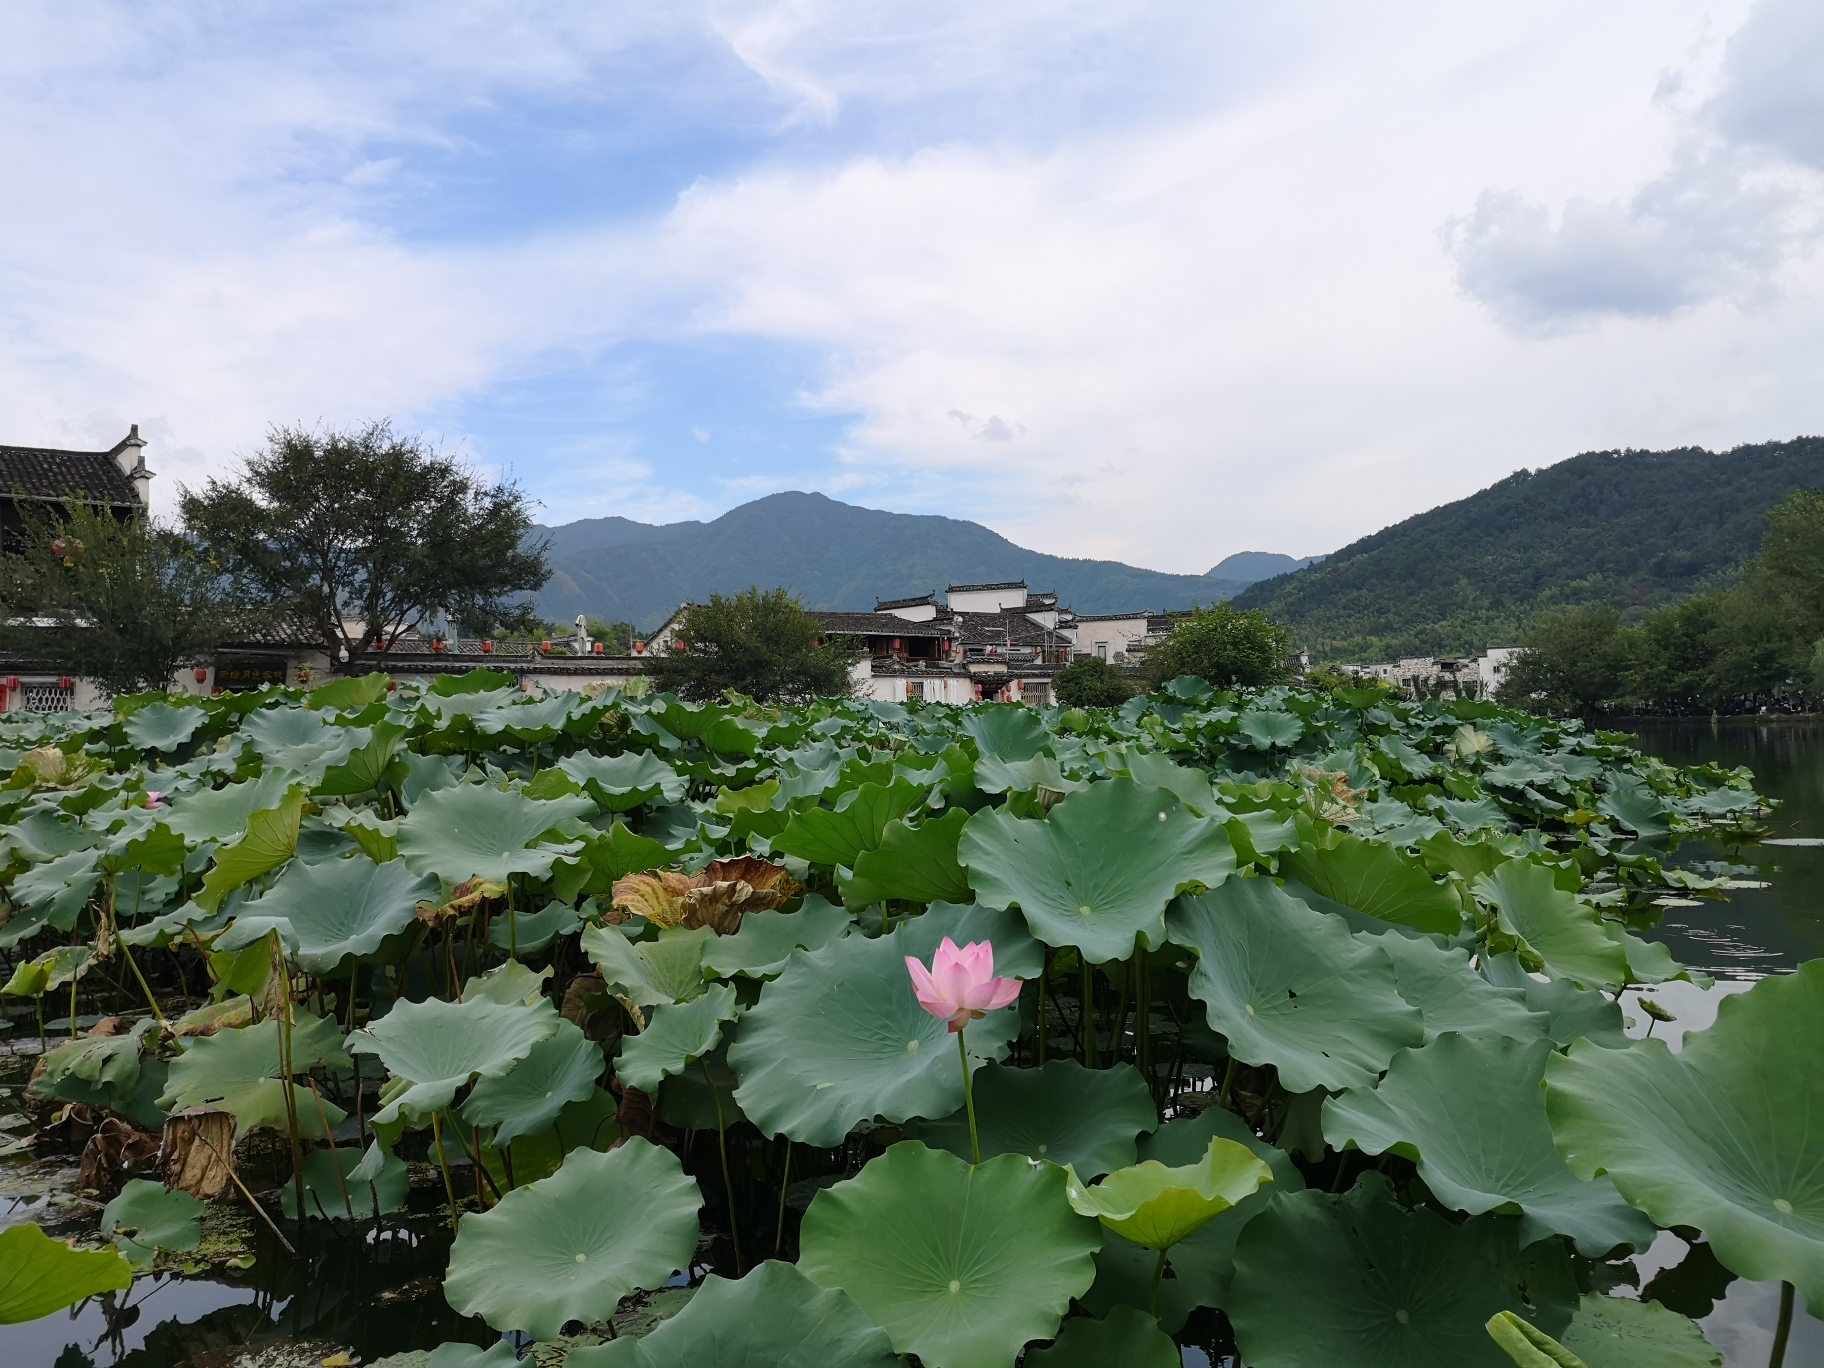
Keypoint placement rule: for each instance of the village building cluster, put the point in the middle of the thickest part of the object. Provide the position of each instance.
(1443, 676)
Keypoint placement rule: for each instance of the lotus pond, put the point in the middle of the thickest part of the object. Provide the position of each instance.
(443, 1023)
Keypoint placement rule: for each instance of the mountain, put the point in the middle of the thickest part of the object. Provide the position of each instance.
(834, 555)
(1630, 528)
(1249, 566)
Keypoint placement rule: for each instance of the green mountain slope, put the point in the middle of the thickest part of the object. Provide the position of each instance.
(1631, 528)
(834, 555)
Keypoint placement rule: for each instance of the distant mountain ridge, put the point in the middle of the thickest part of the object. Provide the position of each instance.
(834, 555)
(1634, 529)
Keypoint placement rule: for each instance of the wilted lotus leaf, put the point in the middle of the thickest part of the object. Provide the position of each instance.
(570, 1246)
(1127, 1338)
(839, 1038)
(1063, 1113)
(669, 969)
(1727, 1135)
(1293, 988)
(330, 911)
(466, 900)
(960, 1265)
(240, 1071)
(1359, 1280)
(473, 830)
(715, 897)
(656, 896)
(1471, 1115)
(1156, 1206)
(437, 1047)
(527, 1099)
(1098, 872)
(39, 1275)
(145, 1218)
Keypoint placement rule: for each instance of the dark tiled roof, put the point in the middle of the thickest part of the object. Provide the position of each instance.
(881, 624)
(970, 588)
(1010, 628)
(881, 605)
(1117, 617)
(44, 473)
(1041, 600)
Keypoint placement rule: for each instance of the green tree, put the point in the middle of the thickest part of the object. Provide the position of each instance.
(361, 534)
(1575, 659)
(1091, 683)
(1224, 645)
(760, 642)
(126, 604)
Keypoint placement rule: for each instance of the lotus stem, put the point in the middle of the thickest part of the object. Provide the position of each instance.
(144, 987)
(1044, 982)
(334, 1158)
(449, 1187)
(354, 981)
(1143, 992)
(1228, 1083)
(286, 1085)
(1088, 1011)
(1783, 1330)
(728, 1183)
(1119, 1040)
(962, 1050)
(252, 1201)
(1152, 1304)
(784, 1183)
(72, 1009)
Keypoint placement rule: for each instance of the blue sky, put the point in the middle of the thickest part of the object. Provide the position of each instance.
(1155, 281)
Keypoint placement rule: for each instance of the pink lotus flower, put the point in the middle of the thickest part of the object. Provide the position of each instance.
(960, 985)
(155, 798)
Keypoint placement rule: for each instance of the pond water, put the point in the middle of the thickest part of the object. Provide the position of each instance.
(384, 1296)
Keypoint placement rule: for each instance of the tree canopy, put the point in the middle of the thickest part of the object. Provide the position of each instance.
(359, 534)
(759, 642)
(1225, 645)
(126, 604)
(1091, 683)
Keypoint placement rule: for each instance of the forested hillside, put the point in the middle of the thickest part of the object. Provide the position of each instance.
(1631, 529)
(834, 555)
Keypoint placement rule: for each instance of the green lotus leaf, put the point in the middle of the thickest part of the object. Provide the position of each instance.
(52, 969)
(603, 859)
(1635, 806)
(510, 983)
(368, 766)
(145, 1218)
(1609, 1332)
(1471, 1114)
(1098, 872)
(1203, 1263)
(1564, 933)
(960, 1265)
(271, 840)
(1156, 1206)
(1268, 727)
(56, 890)
(327, 912)
(669, 969)
(530, 933)
(570, 1246)
(39, 1275)
(222, 814)
(278, 729)
(1575, 1013)
(161, 727)
(831, 838)
(912, 864)
(349, 692)
(1127, 1338)
(1451, 996)
(1016, 953)
(1192, 786)
(440, 1046)
(346, 1185)
(98, 1070)
(1357, 1279)
(240, 1071)
(1376, 879)
(839, 1038)
(471, 831)
(1293, 988)
(620, 782)
(775, 1317)
(1063, 1113)
(676, 1036)
(1041, 774)
(529, 1097)
(766, 939)
(1007, 731)
(1727, 1135)
(702, 1098)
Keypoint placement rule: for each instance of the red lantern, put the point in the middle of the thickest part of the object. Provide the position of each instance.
(66, 683)
(487, 648)
(677, 645)
(600, 649)
(544, 646)
(896, 643)
(437, 643)
(202, 676)
(639, 648)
